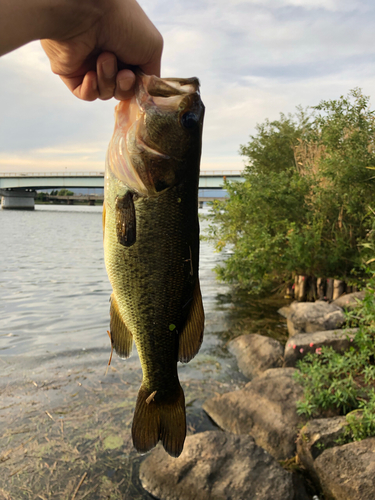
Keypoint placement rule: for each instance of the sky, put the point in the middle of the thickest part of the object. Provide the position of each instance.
(255, 59)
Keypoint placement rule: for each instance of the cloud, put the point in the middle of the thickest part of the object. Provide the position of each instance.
(329, 5)
(69, 151)
(254, 58)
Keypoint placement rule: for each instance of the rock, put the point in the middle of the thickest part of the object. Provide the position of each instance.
(284, 311)
(348, 472)
(302, 343)
(265, 408)
(315, 437)
(309, 317)
(349, 301)
(216, 466)
(256, 353)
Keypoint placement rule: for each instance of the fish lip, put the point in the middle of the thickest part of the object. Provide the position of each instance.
(139, 140)
(131, 134)
(147, 87)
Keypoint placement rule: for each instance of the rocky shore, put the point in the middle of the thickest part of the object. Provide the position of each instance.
(265, 450)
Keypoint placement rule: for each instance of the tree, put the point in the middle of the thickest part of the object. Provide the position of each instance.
(306, 205)
(40, 196)
(65, 192)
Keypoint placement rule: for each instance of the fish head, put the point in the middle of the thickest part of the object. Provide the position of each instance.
(158, 134)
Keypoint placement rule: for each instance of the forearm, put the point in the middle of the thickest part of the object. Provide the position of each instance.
(22, 21)
(88, 42)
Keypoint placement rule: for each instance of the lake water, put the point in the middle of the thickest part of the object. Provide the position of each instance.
(62, 418)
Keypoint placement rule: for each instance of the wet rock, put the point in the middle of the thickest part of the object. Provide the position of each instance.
(348, 472)
(349, 301)
(256, 353)
(302, 343)
(216, 466)
(265, 408)
(315, 437)
(309, 317)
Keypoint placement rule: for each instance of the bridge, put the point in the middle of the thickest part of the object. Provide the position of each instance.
(18, 190)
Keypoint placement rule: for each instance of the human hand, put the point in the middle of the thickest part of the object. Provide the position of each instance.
(91, 48)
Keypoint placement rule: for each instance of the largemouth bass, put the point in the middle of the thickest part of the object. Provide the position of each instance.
(151, 247)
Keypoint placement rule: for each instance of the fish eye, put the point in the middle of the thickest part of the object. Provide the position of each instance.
(189, 119)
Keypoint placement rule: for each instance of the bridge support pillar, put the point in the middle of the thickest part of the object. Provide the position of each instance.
(17, 199)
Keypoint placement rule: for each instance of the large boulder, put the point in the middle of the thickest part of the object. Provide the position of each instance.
(284, 311)
(265, 408)
(256, 354)
(315, 437)
(216, 466)
(310, 317)
(302, 343)
(350, 301)
(348, 472)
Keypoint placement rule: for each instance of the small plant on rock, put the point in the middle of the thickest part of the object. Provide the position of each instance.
(344, 383)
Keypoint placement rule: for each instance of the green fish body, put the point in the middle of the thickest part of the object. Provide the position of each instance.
(151, 247)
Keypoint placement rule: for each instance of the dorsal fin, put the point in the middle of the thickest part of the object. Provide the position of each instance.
(121, 337)
(191, 337)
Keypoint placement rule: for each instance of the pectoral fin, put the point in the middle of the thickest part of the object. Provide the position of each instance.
(191, 337)
(125, 220)
(121, 337)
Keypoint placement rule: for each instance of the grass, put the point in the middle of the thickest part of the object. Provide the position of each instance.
(344, 384)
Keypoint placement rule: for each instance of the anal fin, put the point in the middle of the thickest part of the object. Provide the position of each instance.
(121, 337)
(191, 337)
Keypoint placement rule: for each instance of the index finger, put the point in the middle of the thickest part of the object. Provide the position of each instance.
(152, 67)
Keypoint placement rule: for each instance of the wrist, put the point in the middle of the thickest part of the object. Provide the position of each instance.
(64, 19)
(22, 21)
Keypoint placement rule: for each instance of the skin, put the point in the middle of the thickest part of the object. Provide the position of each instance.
(90, 43)
(154, 278)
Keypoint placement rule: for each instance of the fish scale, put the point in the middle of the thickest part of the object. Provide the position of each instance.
(163, 283)
(151, 246)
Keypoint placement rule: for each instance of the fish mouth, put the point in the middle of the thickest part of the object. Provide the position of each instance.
(166, 94)
(130, 139)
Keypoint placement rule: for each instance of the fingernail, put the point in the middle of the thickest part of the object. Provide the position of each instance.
(109, 68)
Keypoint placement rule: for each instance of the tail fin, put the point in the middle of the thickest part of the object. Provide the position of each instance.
(159, 419)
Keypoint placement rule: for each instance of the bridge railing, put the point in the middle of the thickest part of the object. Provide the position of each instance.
(203, 173)
(52, 174)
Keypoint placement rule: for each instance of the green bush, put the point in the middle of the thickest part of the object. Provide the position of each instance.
(344, 382)
(306, 205)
